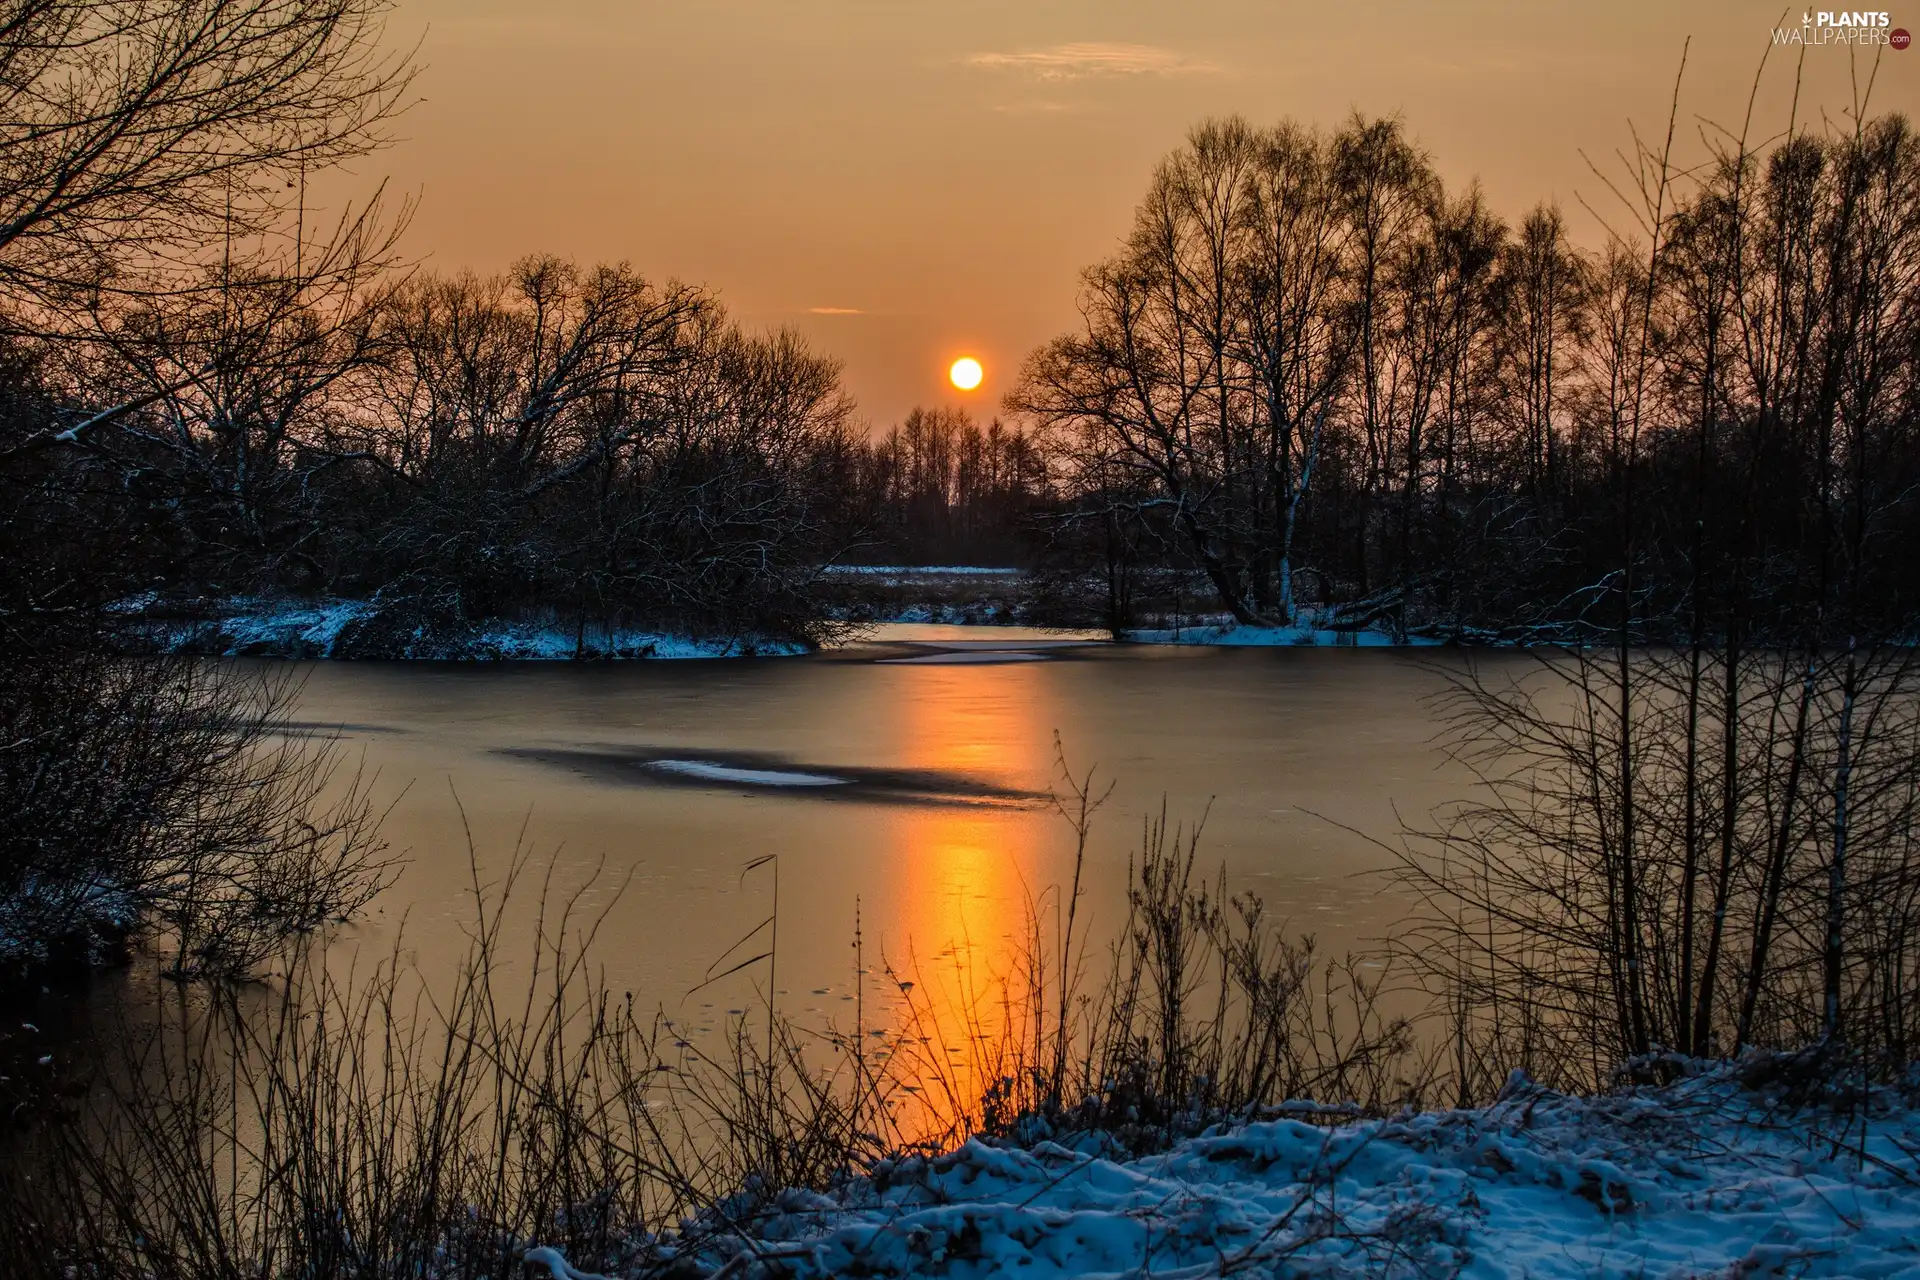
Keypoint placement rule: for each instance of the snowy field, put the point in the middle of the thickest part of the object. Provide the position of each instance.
(1704, 1177)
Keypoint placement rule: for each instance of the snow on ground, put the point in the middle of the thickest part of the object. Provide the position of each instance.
(249, 625)
(950, 615)
(1699, 1178)
(923, 570)
(264, 627)
(1264, 637)
(532, 641)
(39, 910)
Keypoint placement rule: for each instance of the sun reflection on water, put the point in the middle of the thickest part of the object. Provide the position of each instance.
(954, 915)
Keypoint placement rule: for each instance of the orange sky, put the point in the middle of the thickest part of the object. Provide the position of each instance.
(906, 181)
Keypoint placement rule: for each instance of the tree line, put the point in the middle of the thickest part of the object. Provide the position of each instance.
(1322, 379)
(1696, 835)
(455, 448)
(938, 488)
(1313, 377)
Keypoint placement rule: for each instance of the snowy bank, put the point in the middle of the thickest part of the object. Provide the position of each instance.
(1237, 636)
(907, 572)
(280, 628)
(1704, 1177)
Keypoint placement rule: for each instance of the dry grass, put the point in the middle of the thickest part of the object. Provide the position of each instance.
(394, 1123)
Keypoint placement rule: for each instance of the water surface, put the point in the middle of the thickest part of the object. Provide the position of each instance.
(905, 778)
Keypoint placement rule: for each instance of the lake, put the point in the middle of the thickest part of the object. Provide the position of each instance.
(904, 778)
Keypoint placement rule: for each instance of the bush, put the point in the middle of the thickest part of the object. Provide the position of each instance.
(172, 797)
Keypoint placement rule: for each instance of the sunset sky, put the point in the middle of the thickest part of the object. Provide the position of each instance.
(907, 181)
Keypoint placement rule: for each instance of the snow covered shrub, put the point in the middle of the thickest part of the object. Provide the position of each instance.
(168, 797)
(158, 795)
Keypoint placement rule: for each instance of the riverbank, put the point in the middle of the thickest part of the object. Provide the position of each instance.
(278, 627)
(859, 598)
(1228, 634)
(1172, 608)
(1728, 1172)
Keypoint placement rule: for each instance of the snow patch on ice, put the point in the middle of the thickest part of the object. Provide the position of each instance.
(708, 771)
(966, 658)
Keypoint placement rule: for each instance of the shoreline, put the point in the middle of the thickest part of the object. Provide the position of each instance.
(337, 629)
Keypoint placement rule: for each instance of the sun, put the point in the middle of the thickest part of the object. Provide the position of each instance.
(966, 373)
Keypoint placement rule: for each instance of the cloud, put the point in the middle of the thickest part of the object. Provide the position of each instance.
(1095, 58)
(1037, 106)
(835, 311)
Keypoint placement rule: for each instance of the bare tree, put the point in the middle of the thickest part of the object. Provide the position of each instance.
(1296, 342)
(241, 398)
(173, 341)
(594, 442)
(1707, 845)
(140, 132)
(1541, 324)
(1215, 348)
(1387, 188)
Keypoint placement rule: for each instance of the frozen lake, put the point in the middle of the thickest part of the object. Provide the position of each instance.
(907, 773)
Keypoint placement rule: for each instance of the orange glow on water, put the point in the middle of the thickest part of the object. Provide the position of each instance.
(957, 903)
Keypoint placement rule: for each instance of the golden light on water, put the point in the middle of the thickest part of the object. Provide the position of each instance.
(956, 903)
(966, 373)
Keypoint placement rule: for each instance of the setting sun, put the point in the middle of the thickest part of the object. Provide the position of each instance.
(965, 373)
